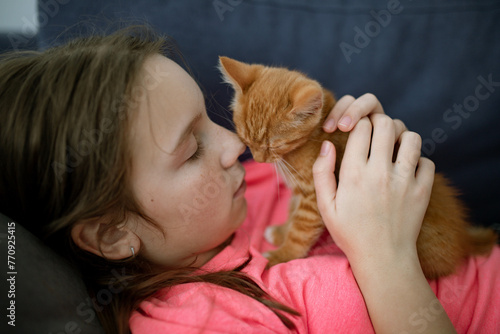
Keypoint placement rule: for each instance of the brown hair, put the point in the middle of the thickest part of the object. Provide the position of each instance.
(65, 114)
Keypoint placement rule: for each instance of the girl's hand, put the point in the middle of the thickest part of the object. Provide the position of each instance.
(375, 212)
(374, 215)
(348, 111)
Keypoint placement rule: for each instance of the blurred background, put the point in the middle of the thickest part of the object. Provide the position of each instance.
(18, 24)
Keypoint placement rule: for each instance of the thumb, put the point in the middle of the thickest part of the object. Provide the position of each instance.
(324, 177)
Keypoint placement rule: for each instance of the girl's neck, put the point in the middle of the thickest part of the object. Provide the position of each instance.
(199, 260)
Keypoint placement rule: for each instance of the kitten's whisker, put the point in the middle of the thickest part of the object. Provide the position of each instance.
(281, 170)
(294, 175)
(289, 175)
(284, 172)
(277, 179)
(293, 168)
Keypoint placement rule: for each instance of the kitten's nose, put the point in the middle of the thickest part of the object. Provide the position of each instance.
(259, 156)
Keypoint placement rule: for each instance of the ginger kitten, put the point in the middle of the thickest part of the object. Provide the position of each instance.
(278, 114)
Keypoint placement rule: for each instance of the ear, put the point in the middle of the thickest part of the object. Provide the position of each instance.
(307, 102)
(115, 242)
(238, 74)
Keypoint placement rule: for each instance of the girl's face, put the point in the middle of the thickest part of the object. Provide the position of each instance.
(185, 170)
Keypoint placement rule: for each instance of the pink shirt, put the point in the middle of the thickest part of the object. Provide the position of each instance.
(321, 287)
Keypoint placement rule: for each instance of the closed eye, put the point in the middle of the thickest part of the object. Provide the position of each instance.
(199, 151)
(276, 146)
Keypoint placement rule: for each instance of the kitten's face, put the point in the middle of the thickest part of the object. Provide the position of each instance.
(274, 109)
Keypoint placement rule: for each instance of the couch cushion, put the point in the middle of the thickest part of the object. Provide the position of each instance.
(47, 292)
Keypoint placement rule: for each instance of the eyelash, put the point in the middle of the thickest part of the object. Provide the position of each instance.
(199, 151)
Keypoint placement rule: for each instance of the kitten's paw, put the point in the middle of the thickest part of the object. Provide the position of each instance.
(274, 258)
(275, 234)
(269, 234)
(284, 254)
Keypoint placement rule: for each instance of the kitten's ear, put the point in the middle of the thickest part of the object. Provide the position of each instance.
(307, 102)
(239, 75)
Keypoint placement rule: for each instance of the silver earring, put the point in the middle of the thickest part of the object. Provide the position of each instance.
(133, 252)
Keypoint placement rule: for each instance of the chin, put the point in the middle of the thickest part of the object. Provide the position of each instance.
(242, 213)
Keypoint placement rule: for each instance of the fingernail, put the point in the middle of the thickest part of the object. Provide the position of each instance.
(329, 125)
(325, 148)
(345, 121)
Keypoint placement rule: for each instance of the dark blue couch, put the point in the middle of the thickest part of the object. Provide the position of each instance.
(435, 65)
(423, 60)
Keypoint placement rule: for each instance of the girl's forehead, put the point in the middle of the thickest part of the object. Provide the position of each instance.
(167, 83)
(158, 70)
(171, 98)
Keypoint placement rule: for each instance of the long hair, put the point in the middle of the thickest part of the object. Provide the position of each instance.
(65, 159)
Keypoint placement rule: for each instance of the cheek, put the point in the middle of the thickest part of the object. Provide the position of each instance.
(206, 197)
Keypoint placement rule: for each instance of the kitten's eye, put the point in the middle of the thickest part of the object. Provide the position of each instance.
(275, 147)
(288, 105)
(199, 151)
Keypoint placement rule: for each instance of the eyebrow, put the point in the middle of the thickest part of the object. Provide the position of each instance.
(187, 131)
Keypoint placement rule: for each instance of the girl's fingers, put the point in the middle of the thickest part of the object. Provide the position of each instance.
(384, 137)
(358, 144)
(408, 154)
(324, 178)
(338, 110)
(400, 127)
(362, 106)
(425, 173)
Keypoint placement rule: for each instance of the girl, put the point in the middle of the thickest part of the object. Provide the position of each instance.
(111, 152)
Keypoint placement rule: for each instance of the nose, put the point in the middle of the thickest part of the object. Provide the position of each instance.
(259, 156)
(232, 148)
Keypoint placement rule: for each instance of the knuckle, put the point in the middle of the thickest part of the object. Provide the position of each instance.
(416, 137)
(399, 122)
(429, 163)
(412, 138)
(383, 121)
(364, 123)
(370, 96)
(318, 168)
(341, 106)
(417, 140)
(400, 126)
(348, 98)
(355, 110)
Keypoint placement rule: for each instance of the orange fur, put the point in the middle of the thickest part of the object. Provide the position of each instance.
(278, 114)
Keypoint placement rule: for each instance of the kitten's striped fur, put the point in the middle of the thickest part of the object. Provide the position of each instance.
(278, 114)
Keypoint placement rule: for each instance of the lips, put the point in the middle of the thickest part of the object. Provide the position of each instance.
(241, 189)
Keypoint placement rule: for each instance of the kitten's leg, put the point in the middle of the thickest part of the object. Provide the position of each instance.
(305, 227)
(276, 234)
